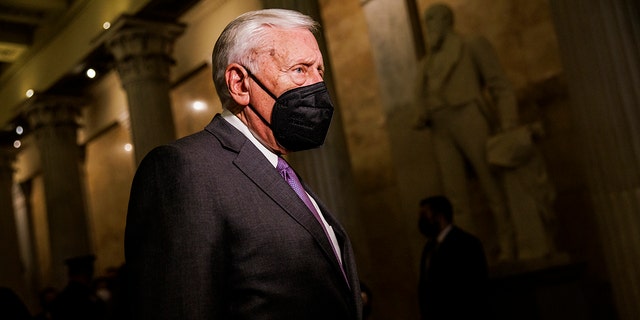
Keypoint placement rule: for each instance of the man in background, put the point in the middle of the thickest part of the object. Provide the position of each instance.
(453, 267)
(77, 300)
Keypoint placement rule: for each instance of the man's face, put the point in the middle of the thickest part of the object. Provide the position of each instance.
(427, 223)
(292, 59)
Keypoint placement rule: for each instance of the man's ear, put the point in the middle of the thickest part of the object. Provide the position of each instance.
(237, 77)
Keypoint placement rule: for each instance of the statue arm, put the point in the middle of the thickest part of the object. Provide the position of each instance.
(421, 96)
(495, 81)
(420, 84)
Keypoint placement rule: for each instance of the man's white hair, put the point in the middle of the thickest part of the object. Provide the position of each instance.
(246, 34)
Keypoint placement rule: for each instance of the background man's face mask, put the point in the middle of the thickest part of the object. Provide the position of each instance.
(300, 117)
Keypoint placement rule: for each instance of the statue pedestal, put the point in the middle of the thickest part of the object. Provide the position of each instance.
(527, 266)
(550, 288)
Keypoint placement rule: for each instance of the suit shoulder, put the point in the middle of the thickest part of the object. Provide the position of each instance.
(198, 149)
(461, 235)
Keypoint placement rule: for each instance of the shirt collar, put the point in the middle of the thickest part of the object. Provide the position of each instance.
(238, 124)
(444, 233)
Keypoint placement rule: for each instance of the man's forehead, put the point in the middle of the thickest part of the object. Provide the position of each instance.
(290, 47)
(280, 38)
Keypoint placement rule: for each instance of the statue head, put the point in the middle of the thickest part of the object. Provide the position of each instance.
(438, 19)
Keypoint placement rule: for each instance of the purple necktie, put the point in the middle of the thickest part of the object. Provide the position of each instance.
(292, 179)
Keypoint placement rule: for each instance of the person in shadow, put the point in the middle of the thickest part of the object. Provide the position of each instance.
(119, 302)
(453, 267)
(46, 298)
(11, 306)
(367, 300)
(77, 300)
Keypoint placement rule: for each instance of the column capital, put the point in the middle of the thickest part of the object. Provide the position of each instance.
(142, 48)
(7, 152)
(52, 110)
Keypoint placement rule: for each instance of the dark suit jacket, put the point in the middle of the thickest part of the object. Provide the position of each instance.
(214, 232)
(453, 276)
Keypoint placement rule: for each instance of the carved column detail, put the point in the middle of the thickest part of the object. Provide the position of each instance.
(599, 44)
(143, 53)
(54, 124)
(328, 169)
(324, 166)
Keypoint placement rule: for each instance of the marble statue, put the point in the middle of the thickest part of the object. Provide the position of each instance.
(467, 100)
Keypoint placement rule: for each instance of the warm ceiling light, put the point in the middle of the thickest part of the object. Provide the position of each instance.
(17, 144)
(128, 147)
(19, 130)
(29, 93)
(106, 25)
(199, 106)
(91, 73)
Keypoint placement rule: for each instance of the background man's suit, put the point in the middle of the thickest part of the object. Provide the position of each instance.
(453, 277)
(229, 238)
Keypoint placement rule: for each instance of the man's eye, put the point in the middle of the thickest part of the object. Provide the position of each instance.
(298, 70)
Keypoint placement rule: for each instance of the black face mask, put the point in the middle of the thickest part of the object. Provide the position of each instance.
(300, 117)
(427, 227)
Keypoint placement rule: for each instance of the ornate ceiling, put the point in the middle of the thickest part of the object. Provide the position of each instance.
(44, 44)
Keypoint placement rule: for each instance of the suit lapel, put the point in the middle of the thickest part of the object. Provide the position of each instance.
(256, 167)
(345, 246)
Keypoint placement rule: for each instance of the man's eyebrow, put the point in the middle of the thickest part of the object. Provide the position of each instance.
(304, 61)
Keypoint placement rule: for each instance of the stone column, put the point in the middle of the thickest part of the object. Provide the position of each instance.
(53, 121)
(599, 46)
(328, 169)
(142, 50)
(11, 267)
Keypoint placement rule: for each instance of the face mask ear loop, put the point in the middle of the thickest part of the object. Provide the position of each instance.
(262, 86)
(265, 90)
(260, 116)
(252, 76)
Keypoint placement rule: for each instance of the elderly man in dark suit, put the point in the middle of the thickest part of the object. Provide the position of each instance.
(219, 227)
(453, 267)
